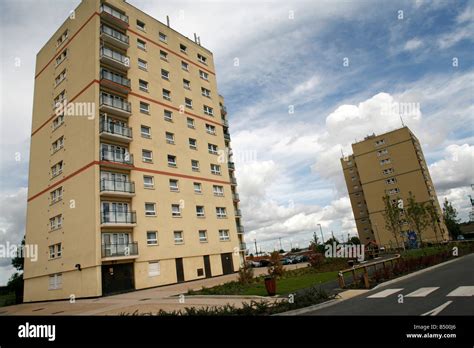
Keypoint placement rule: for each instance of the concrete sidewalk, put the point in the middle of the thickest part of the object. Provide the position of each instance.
(144, 301)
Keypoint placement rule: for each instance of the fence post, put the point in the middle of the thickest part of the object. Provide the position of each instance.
(342, 284)
(366, 278)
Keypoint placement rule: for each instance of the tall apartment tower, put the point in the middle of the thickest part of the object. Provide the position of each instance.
(131, 181)
(388, 164)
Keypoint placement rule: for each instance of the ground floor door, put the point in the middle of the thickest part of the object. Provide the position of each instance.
(207, 266)
(179, 270)
(117, 278)
(227, 263)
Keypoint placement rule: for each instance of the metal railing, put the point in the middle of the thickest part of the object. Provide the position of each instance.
(115, 128)
(113, 12)
(240, 229)
(107, 75)
(116, 217)
(243, 246)
(114, 33)
(112, 54)
(235, 196)
(117, 186)
(123, 249)
(118, 157)
(118, 103)
(227, 136)
(238, 212)
(233, 181)
(231, 165)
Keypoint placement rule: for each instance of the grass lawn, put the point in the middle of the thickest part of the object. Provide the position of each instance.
(424, 251)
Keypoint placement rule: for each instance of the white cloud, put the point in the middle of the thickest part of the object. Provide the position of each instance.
(413, 44)
(456, 170)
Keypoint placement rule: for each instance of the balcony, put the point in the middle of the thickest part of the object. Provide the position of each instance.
(118, 218)
(225, 122)
(223, 110)
(114, 58)
(114, 81)
(227, 136)
(114, 131)
(116, 159)
(231, 165)
(115, 105)
(238, 213)
(233, 181)
(117, 188)
(120, 251)
(114, 16)
(240, 229)
(235, 197)
(243, 246)
(114, 37)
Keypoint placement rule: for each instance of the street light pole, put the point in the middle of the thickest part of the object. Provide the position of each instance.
(322, 237)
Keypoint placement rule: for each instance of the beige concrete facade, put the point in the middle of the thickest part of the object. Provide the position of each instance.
(117, 62)
(393, 164)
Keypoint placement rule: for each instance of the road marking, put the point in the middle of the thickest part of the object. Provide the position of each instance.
(437, 310)
(462, 291)
(385, 293)
(422, 292)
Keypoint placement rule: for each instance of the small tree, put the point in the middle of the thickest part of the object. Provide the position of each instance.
(275, 269)
(391, 215)
(246, 275)
(434, 217)
(451, 219)
(418, 218)
(354, 240)
(15, 283)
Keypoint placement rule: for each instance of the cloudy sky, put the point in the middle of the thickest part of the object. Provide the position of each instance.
(302, 81)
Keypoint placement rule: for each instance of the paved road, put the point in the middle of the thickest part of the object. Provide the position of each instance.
(446, 290)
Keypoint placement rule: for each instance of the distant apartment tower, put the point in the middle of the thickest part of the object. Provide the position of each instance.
(132, 184)
(388, 164)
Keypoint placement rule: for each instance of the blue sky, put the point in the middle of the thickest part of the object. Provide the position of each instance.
(287, 164)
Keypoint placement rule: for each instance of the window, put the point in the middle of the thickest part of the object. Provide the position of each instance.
(55, 281)
(188, 102)
(380, 142)
(199, 210)
(210, 129)
(60, 78)
(148, 181)
(166, 94)
(197, 187)
(224, 235)
(391, 181)
(142, 64)
(215, 169)
(178, 237)
(168, 116)
(212, 149)
(183, 48)
(163, 37)
(382, 152)
(152, 238)
(58, 121)
(56, 195)
(387, 171)
(203, 75)
(153, 268)
(186, 84)
(190, 122)
(140, 25)
(174, 185)
(221, 212)
(202, 236)
(144, 107)
(171, 161)
(141, 44)
(57, 169)
(62, 38)
(201, 58)
(58, 144)
(205, 92)
(208, 110)
(175, 210)
(385, 161)
(184, 66)
(59, 99)
(145, 131)
(192, 144)
(150, 209)
(61, 57)
(169, 138)
(164, 55)
(393, 191)
(218, 190)
(195, 165)
(56, 222)
(354, 178)
(147, 156)
(143, 85)
(165, 74)
(55, 251)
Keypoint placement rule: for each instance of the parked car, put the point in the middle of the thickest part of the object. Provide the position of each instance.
(253, 263)
(264, 263)
(285, 261)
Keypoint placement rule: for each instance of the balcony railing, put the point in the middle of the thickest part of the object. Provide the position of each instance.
(117, 186)
(117, 250)
(243, 246)
(116, 217)
(115, 34)
(107, 75)
(113, 12)
(113, 156)
(238, 213)
(114, 55)
(117, 103)
(231, 165)
(233, 181)
(227, 136)
(115, 129)
(223, 110)
(225, 122)
(235, 197)
(240, 229)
